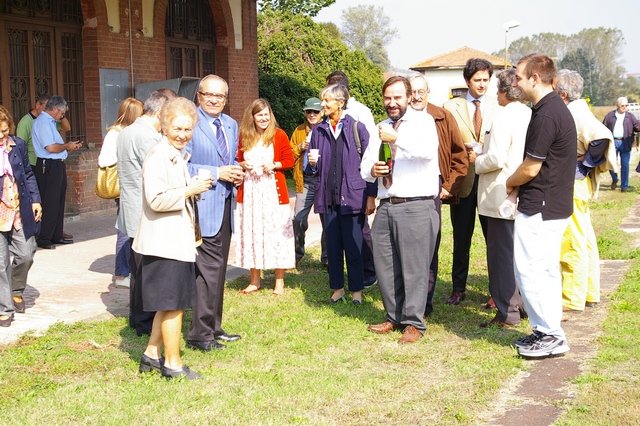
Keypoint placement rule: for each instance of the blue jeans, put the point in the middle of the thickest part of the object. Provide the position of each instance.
(123, 250)
(624, 164)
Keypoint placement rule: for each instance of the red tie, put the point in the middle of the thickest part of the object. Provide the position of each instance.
(477, 119)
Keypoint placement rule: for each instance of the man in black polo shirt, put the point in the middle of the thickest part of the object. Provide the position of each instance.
(545, 184)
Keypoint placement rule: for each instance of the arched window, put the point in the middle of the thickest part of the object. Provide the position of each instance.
(191, 39)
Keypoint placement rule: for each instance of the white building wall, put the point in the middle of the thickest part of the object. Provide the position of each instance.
(442, 81)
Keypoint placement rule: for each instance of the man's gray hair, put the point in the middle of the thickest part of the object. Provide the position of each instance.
(154, 102)
(571, 83)
(622, 100)
(56, 102)
(505, 85)
(338, 92)
(422, 77)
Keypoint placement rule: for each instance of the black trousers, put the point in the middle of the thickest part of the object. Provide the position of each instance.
(502, 279)
(139, 320)
(463, 221)
(211, 272)
(51, 176)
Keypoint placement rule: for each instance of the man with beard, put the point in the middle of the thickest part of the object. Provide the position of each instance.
(406, 225)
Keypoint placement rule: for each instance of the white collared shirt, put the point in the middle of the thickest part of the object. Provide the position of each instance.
(416, 171)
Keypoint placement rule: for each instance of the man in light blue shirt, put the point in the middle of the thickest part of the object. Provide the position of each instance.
(50, 170)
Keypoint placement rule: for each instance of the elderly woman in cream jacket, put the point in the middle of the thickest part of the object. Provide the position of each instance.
(166, 238)
(501, 155)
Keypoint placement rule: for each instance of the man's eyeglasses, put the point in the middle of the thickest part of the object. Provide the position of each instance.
(310, 111)
(213, 96)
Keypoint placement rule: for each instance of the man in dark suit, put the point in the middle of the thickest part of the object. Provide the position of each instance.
(214, 148)
(474, 114)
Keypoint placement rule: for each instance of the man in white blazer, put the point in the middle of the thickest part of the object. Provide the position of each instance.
(473, 126)
(214, 147)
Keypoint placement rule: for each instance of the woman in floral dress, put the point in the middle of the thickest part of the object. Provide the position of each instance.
(264, 227)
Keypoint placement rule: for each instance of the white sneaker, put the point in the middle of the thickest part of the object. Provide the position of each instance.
(122, 282)
(544, 346)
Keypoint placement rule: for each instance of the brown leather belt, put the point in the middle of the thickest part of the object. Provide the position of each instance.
(400, 200)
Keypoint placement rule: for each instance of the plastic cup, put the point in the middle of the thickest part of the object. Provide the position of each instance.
(314, 153)
(204, 173)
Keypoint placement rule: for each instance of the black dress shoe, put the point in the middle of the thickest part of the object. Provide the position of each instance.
(46, 244)
(205, 346)
(227, 337)
(185, 372)
(147, 364)
(63, 241)
(19, 306)
(6, 322)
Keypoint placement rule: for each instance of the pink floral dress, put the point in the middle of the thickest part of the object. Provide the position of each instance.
(264, 229)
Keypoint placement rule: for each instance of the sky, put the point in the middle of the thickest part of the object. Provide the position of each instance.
(443, 26)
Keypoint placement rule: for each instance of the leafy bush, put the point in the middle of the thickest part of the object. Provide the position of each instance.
(295, 55)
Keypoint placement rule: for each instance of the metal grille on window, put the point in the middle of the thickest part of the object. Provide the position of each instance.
(68, 11)
(73, 78)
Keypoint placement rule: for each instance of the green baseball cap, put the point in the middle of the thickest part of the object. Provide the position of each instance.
(312, 104)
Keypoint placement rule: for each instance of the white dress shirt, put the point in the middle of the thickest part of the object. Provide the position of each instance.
(416, 171)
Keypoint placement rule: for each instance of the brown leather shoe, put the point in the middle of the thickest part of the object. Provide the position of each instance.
(410, 335)
(497, 323)
(456, 297)
(385, 327)
(490, 304)
(66, 236)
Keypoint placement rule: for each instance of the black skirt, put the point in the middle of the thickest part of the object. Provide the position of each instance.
(167, 284)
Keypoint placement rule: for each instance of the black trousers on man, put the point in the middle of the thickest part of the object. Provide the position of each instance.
(463, 221)
(211, 273)
(51, 176)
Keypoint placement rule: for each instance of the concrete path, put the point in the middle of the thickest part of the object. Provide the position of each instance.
(74, 282)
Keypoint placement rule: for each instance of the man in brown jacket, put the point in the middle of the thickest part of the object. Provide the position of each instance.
(452, 160)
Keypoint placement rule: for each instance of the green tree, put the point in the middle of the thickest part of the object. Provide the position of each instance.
(304, 7)
(295, 55)
(367, 28)
(594, 52)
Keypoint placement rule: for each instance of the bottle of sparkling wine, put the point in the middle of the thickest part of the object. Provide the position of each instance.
(384, 154)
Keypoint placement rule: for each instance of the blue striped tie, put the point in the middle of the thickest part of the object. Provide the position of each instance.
(222, 142)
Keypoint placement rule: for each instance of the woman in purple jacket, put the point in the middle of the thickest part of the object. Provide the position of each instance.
(342, 197)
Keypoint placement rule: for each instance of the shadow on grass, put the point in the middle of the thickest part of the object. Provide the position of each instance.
(463, 320)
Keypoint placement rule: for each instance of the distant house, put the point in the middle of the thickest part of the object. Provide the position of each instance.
(444, 73)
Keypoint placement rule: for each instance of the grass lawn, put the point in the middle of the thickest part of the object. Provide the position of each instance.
(302, 361)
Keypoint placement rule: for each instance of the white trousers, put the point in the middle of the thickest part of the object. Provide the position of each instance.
(536, 256)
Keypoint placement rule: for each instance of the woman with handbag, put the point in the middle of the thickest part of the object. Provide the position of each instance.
(167, 237)
(129, 110)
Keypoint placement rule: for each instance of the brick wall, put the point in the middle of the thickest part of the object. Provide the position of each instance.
(105, 49)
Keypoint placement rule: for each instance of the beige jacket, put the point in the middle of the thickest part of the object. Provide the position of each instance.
(458, 107)
(590, 129)
(166, 226)
(502, 153)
